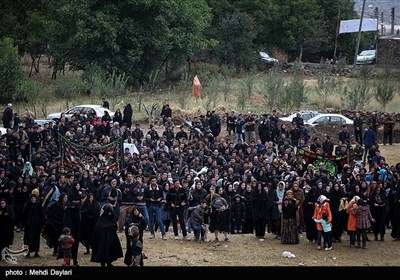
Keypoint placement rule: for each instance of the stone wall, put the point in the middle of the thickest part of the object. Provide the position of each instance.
(388, 51)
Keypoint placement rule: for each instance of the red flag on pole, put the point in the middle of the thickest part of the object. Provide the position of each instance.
(196, 86)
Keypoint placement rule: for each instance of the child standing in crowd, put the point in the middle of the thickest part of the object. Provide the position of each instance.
(351, 222)
(136, 247)
(363, 222)
(327, 230)
(66, 241)
(321, 207)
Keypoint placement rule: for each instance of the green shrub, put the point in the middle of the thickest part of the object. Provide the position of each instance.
(29, 90)
(69, 87)
(11, 74)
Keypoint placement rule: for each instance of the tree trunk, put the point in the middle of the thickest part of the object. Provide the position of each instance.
(38, 63)
(301, 53)
(54, 74)
(32, 65)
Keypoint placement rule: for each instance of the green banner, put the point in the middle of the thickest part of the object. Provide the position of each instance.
(92, 158)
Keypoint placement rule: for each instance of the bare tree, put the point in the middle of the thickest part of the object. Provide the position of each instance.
(273, 87)
(326, 83)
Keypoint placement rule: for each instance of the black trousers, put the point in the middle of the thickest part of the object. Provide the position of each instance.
(358, 136)
(178, 212)
(260, 224)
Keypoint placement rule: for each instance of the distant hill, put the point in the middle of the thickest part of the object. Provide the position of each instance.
(384, 6)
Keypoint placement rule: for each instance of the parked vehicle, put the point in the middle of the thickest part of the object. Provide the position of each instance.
(306, 114)
(83, 109)
(269, 60)
(366, 57)
(329, 118)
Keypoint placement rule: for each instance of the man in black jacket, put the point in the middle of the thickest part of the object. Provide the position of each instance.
(153, 196)
(176, 199)
(105, 103)
(327, 146)
(7, 116)
(358, 128)
(344, 134)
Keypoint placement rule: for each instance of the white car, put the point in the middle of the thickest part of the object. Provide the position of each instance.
(329, 118)
(266, 58)
(306, 114)
(366, 57)
(83, 109)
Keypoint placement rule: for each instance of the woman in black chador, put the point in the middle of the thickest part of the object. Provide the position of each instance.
(379, 210)
(128, 115)
(90, 213)
(396, 213)
(34, 220)
(54, 222)
(6, 224)
(310, 198)
(260, 202)
(339, 216)
(106, 246)
(72, 218)
(135, 219)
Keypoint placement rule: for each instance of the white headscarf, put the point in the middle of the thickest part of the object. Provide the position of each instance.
(280, 194)
(27, 168)
(322, 198)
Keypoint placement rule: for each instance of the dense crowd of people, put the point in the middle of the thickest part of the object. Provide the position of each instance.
(248, 182)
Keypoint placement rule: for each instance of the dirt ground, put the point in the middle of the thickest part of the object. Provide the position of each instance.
(243, 250)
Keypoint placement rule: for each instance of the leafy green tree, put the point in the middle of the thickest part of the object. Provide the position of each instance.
(298, 27)
(11, 73)
(332, 11)
(385, 91)
(236, 35)
(135, 37)
(27, 23)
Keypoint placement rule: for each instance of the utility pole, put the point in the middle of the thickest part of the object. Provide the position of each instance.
(382, 24)
(336, 36)
(359, 34)
(392, 27)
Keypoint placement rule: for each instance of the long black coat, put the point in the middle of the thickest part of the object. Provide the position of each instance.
(106, 246)
(90, 213)
(54, 222)
(260, 203)
(339, 218)
(6, 227)
(128, 112)
(72, 219)
(7, 117)
(34, 220)
(238, 213)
